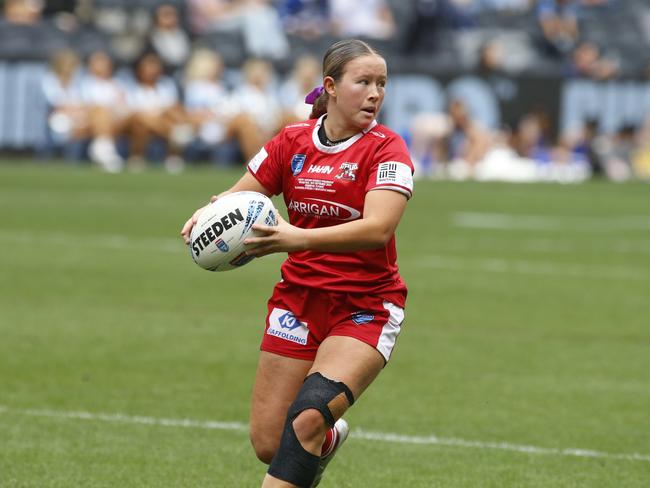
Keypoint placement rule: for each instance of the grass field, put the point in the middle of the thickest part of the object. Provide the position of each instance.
(524, 360)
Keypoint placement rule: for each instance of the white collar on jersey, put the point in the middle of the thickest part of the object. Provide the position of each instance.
(339, 147)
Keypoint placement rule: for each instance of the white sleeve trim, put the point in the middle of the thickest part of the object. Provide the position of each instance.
(398, 189)
(257, 160)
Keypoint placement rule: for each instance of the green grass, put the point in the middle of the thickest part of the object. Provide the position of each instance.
(532, 329)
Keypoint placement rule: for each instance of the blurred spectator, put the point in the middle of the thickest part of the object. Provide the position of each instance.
(308, 19)
(67, 119)
(105, 101)
(168, 39)
(431, 17)
(529, 141)
(491, 59)
(306, 75)
(558, 20)
(427, 133)
(371, 19)
(257, 98)
(587, 62)
(467, 142)
(23, 12)
(156, 112)
(506, 5)
(617, 153)
(211, 110)
(588, 144)
(641, 154)
(257, 20)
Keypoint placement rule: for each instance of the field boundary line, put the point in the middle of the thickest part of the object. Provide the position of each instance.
(529, 267)
(502, 221)
(358, 434)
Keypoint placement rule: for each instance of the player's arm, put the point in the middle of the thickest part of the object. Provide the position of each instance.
(383, 210)
(246, 183)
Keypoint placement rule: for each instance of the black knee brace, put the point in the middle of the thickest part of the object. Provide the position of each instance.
(292, 463)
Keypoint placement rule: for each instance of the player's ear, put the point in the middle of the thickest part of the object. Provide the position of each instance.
(330, 86)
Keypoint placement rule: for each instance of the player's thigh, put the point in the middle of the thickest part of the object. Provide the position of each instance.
(349, 360)
(277, 382)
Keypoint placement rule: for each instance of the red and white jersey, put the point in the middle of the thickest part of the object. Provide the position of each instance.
(327, 185)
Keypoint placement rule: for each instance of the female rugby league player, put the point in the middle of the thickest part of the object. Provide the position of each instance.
(335, 315)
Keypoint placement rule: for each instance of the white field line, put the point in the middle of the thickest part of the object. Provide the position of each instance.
(102, 241)
(173, 245)
(512, 266)
(359, 434)
(478, 220)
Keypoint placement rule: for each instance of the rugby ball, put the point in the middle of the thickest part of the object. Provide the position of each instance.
(217, 239)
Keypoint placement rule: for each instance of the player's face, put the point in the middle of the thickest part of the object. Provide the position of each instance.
(360, 91)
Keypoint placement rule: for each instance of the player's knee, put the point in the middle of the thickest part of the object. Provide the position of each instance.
(309, 425)
(264, 447)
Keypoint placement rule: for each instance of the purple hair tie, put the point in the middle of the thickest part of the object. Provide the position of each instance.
(313, 95)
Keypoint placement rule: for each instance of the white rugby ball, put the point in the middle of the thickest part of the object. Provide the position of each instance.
(217, 239)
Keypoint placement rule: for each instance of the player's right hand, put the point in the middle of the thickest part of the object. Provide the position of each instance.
(191, 222)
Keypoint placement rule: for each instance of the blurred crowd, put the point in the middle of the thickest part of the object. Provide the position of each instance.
(197, 115)
(154, 80)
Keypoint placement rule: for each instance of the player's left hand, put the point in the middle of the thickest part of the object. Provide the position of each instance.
(283, 237)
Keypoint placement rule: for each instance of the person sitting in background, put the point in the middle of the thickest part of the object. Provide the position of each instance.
(257, 21)
(372, 19)
(23, 12)
(105, 101)
(68, 119)
(641, 154)
(257, 98)
(210, 108)
(467, 141)
(308, 19)
(588, 62)
(558, 20)
(156, 112)
(304, 76)
(168, 39)
(529, 140)
(618, 152)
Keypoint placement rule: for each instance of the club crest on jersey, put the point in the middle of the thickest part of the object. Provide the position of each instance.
(347, 172)
(297, 162)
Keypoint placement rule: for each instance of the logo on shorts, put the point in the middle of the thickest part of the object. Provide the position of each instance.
(285, 325)
(297, 163)
(360, 318)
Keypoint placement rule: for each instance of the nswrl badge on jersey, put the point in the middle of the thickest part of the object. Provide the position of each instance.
(297, 163)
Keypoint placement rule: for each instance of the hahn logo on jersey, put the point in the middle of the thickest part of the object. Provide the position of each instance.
(347, 172)
(324, 208)
(297, 162)
(285, 325)
(360, 318)
(320, 169)
(395, 173)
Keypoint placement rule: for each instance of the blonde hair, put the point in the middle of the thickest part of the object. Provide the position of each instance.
(204, 64)
(64, 63)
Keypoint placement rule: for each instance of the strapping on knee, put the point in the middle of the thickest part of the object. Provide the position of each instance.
(292, 462)
(331, 398)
